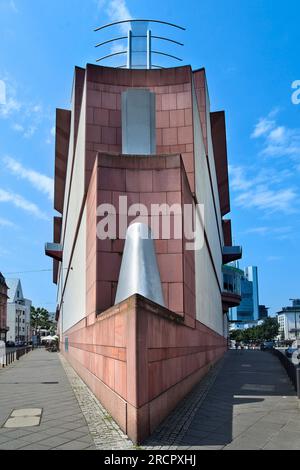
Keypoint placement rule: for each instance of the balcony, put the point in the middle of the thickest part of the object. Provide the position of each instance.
(54, 250)
(232, 253)
(231, 295)
(4, 329)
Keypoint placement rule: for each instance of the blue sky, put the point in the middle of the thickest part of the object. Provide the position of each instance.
(251, 51)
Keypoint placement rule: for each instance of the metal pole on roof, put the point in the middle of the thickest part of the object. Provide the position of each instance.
(149, 47)
(129, 50)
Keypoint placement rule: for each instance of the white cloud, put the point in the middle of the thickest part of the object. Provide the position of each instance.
(4, 253)
(262, 128)
(2, 92)
(238, 180)
(10, 106)
(7, 223)
(268, 199)
(26, 132)
(37, 108)
(274, 258)
(278, 140)
(278, 232)
(22, 203)
(28, 115)
(258, 230)
(39, 181)
(116, 10)
(51, 135)
(11, 103)
(278, 135)
(18, 128)
(243, 178)
(265, 189)
(283, 142)
(9, 5)
(13, 6)
(30, 132)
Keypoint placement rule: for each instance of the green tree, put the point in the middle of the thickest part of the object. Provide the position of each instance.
(236, 335)
(40, 319)
(270, 329)
(265, 332)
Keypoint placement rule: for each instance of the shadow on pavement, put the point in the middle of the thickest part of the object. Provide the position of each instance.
(249, 386)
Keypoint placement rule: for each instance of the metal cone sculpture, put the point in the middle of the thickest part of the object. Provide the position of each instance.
(139, 270)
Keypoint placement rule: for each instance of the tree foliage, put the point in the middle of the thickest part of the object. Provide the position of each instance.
(40, 319)
(265, 332)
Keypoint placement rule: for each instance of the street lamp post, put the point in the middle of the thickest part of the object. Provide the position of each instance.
(296, 323)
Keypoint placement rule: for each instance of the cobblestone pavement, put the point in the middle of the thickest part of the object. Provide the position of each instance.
(106, 433)
(170, 433)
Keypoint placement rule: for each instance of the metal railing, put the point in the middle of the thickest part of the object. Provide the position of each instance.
(11, 356)
(140, 40)
(23, 351)
(292, 370)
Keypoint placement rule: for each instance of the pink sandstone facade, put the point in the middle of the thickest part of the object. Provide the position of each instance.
(138, 358)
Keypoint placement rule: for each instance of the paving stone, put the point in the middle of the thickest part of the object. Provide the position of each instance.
(284, 440)
(4, 439)
(239, 411)
(35, 447)
(36, 437)
(27, 412)
(58, 402)
(54, 442)
(74, 446)
(14, 445)
(22, 422)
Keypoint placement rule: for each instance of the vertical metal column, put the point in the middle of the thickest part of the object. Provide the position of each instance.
(129, 50)
(149, 49)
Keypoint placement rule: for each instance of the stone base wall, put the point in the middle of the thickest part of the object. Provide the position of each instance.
(140, 360)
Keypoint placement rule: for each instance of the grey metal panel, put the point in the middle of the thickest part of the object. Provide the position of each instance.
(139, 270)
(138, 122)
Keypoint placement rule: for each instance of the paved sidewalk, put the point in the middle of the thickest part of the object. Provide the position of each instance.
(245, 402)
(39, 381)
(251, 404)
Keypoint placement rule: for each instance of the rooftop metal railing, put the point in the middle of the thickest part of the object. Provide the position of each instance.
(140, 39)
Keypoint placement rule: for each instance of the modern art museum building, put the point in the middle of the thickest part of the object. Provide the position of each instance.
(142, 320)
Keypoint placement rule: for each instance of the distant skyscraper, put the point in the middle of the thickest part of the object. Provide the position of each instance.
(263, 312)
(248, 310)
